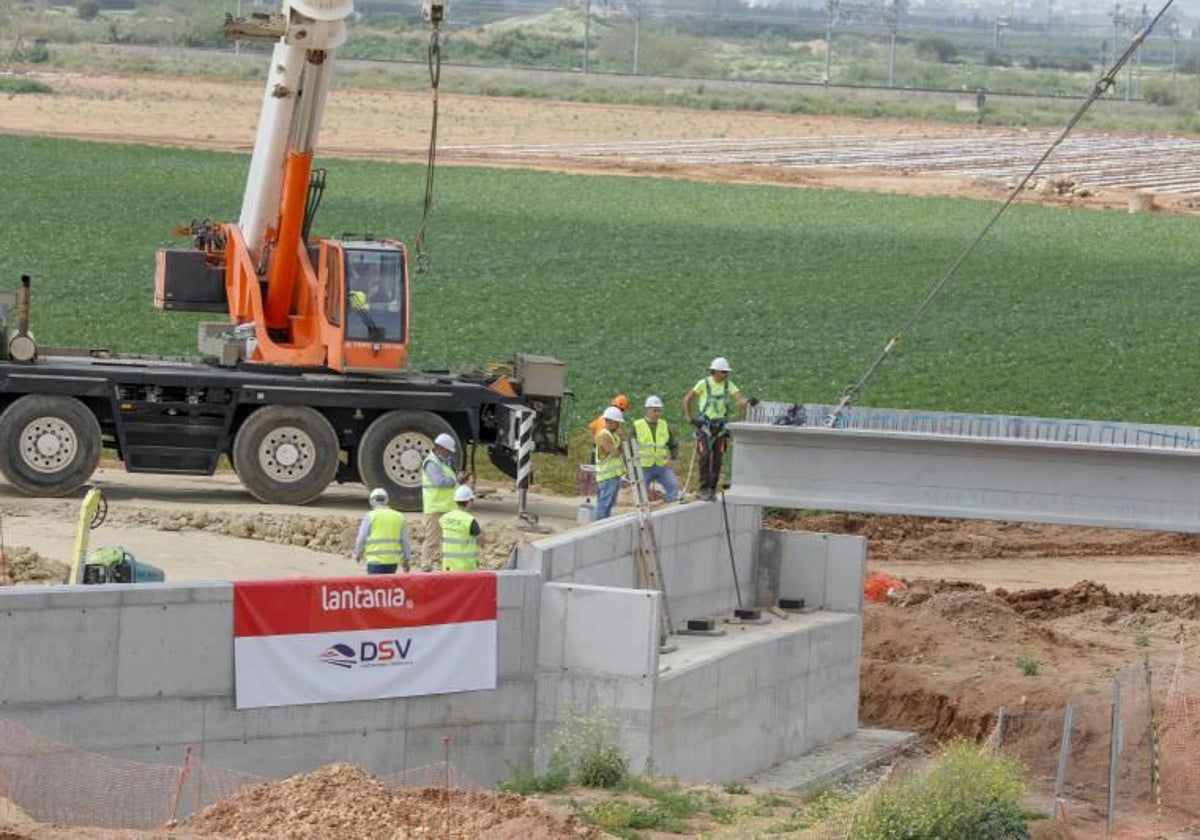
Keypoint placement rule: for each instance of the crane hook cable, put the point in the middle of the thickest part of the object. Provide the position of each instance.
(435, 76)
(1101, 87)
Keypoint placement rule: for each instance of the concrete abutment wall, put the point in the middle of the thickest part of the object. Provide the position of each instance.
(141, 672)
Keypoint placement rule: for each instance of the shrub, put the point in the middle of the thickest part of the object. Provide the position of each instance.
(1158, 92)
(87, 9)
(935, 47)
(995, 58)
(1029, 666)
(523, 779)
(967, 794)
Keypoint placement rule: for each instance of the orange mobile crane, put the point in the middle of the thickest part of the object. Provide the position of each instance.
(308, 381)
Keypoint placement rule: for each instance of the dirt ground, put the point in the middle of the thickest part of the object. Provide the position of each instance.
(1083, 603)
(478, 130)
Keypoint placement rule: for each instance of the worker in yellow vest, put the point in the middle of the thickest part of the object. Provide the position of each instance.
(382, 537)
(610, 465)
(461, 535)
(621, 402)
(656, 447)
(438, 480)
(714, 396)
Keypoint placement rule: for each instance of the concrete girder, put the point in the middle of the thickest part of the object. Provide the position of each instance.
(871, 471)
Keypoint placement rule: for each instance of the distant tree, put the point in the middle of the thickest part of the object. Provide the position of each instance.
(936, 47)
(87, 9)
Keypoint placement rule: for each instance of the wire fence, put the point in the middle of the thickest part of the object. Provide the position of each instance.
(1120, 762)
(52, 782)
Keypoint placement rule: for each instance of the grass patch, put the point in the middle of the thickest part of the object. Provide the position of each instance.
(1062, 313)
(1029, 665)
(17, 85)
(966, 794)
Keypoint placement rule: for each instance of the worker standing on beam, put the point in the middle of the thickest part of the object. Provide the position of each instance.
(656, 447)
(610, 466)
(461, 535)
(438, 482)
(382, 537)
(619, 402)
(716, 393)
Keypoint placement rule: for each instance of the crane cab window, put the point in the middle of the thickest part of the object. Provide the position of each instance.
(375, 298)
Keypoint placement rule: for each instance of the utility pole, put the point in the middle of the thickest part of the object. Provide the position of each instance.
(587, 31)
(637, 30)
(831, 8)
(891, 16)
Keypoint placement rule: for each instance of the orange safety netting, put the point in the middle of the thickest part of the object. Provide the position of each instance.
(879, 584)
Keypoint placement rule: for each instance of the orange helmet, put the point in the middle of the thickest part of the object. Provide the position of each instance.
(621, 401)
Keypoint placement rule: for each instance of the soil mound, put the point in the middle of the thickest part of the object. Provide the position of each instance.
(910, 537)
(344, 801)
(21, 564)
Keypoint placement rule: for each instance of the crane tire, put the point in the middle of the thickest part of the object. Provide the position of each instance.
(286, 454)
(49, 445)
(392, 450)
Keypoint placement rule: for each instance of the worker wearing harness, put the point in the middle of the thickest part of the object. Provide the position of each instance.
(438, 481)
(461, 535)
(716, 392)
(656, 447)
(610, 466)
(382, 537)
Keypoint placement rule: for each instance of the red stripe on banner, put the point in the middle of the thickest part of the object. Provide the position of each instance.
(282, 607)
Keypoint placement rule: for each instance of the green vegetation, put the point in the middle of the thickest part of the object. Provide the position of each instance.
(14, 86)
(967, 794)
(585, 752)
(636, 283)
(1029, 665)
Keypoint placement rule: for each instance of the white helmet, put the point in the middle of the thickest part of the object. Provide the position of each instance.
(614, 414)
(720, 363)
(463, 493)
(446, 442)
(653, 401)
(379, 497)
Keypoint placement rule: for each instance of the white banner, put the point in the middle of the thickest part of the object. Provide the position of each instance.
(330, 640)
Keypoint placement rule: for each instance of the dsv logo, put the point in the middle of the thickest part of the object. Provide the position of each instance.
(368, 654)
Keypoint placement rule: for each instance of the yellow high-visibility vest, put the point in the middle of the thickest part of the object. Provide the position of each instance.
(608, 466)
(384, 545)
(460, 551)
(652, 445)
(436, 499)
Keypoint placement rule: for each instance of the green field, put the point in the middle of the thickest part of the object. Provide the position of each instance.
(636, 283)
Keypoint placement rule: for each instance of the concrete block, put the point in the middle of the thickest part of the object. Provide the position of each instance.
(87, 597)
(611, 631)
(160, 725)
(847, 572)
(15, 599)
(511, 702)
(530, 624)
(562, 563)
(531, 558)
(217, 592)
(174, 650)
(618, 573)
(804, 569)
(741, 673)
(223, 722)
(512, 586)
(552, 617)
(510, 642)
(59, 655)
(160, 594)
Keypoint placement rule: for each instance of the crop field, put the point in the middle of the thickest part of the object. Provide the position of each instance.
(636, 283)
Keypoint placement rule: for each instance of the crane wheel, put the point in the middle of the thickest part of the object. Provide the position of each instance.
(286, 454)
(49, 445)
(392, 449)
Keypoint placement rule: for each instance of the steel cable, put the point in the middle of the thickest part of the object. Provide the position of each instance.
(1103, 84)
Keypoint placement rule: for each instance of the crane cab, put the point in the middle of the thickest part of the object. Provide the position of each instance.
(365, 289)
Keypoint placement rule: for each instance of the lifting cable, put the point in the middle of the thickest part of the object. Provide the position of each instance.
(435, 75)
(1102, 86)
